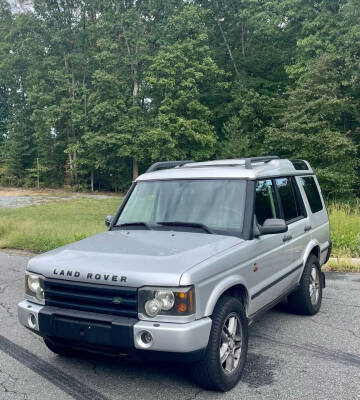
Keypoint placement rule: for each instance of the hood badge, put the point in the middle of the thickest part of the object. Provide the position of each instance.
(117, 300)
(89, 275)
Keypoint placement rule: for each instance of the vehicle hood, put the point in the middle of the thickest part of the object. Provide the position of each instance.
(131, 258)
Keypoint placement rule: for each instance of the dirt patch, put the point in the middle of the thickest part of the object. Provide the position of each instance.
(9, 191)
(18, 197)
(16, 192)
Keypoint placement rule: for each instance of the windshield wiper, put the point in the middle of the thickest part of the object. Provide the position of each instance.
(125, 224)
(186, 224)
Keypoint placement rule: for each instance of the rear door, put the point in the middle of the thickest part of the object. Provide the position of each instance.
(318, 217)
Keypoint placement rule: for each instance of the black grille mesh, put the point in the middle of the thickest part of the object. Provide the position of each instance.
(104, 299)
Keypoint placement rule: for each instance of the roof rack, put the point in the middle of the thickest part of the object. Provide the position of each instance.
(167, 164)
(266, 159)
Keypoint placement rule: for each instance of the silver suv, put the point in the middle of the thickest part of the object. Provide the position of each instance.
(194, 254)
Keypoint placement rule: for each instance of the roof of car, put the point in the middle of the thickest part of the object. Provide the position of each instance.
(233, 168)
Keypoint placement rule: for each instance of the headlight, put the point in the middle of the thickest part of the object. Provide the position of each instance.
(166, 301)
(34, 287)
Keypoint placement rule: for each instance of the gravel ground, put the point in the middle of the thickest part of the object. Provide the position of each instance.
(290, 357)
(23, 201)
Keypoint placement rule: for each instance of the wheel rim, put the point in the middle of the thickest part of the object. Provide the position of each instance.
(230, 343)
(314, 285)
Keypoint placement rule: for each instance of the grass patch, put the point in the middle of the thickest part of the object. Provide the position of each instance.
(50, 225)
(342, 265)
(345, 229)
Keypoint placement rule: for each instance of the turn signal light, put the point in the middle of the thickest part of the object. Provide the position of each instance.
(181, 307)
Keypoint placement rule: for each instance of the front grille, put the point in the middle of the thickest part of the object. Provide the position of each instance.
(104, 299)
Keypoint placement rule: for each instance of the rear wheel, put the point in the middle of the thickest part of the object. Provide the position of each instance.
(226, 352)
(307, 298)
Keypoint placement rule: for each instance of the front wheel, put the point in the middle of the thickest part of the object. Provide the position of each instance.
(225, 356)
(307, 298)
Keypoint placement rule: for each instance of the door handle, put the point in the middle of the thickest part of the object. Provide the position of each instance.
(307, 228)
(287, 238)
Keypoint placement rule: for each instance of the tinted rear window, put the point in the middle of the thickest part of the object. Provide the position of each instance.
(299, 164)
(312, 193)
(288, 199)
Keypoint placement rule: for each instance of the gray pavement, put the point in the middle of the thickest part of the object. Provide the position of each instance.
(290, 357)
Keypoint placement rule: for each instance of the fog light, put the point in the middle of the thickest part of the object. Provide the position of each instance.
(32, 321)
(146, 337)
(143, 339)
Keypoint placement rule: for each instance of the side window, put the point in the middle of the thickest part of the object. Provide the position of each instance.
(265, 201)
(312, 193)
(288, 199)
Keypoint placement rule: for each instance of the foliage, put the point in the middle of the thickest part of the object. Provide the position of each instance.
(313, 126)
(345, 228)
(92, 92)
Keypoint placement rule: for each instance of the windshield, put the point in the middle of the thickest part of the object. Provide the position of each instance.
(217, 205)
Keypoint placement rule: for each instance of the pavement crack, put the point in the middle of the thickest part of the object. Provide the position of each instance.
(9, 379)
(3, 288)
(8, 376)
(7, 309)
(13, 391)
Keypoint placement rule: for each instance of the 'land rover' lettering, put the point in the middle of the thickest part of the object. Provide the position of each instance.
(89, 275)
(69, 272)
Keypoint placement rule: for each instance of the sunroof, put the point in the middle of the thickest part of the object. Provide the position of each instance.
(299, 164)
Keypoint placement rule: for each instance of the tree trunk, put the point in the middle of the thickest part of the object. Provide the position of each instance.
(134, 72)
(243, 30)
(38, 173)
(135, 93)
(228, 48)
(71, 135)
(92, 179)
(135, 168)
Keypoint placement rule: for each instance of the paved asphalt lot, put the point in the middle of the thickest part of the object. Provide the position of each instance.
(290, 357)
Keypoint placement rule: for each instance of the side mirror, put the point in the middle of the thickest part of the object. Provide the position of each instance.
(108, 220)
(273, 225)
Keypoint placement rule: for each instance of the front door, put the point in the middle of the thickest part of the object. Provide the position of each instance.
(274, 253)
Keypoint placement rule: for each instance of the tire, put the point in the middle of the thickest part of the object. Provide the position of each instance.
(307, 298)
(210, 373)
(59, 349)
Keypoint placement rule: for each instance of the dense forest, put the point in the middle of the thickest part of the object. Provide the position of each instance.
(93, 91)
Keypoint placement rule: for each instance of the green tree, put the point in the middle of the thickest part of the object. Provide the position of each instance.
(311, 126)
(180, 78)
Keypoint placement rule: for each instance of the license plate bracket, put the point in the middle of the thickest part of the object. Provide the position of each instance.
(82, 330)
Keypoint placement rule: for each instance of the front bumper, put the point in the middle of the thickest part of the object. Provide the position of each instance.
(116, 335)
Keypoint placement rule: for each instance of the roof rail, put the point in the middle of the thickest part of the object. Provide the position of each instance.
(167, 164)
(250, 160)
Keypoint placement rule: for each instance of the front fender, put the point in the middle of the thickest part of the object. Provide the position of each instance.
(220, 288)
